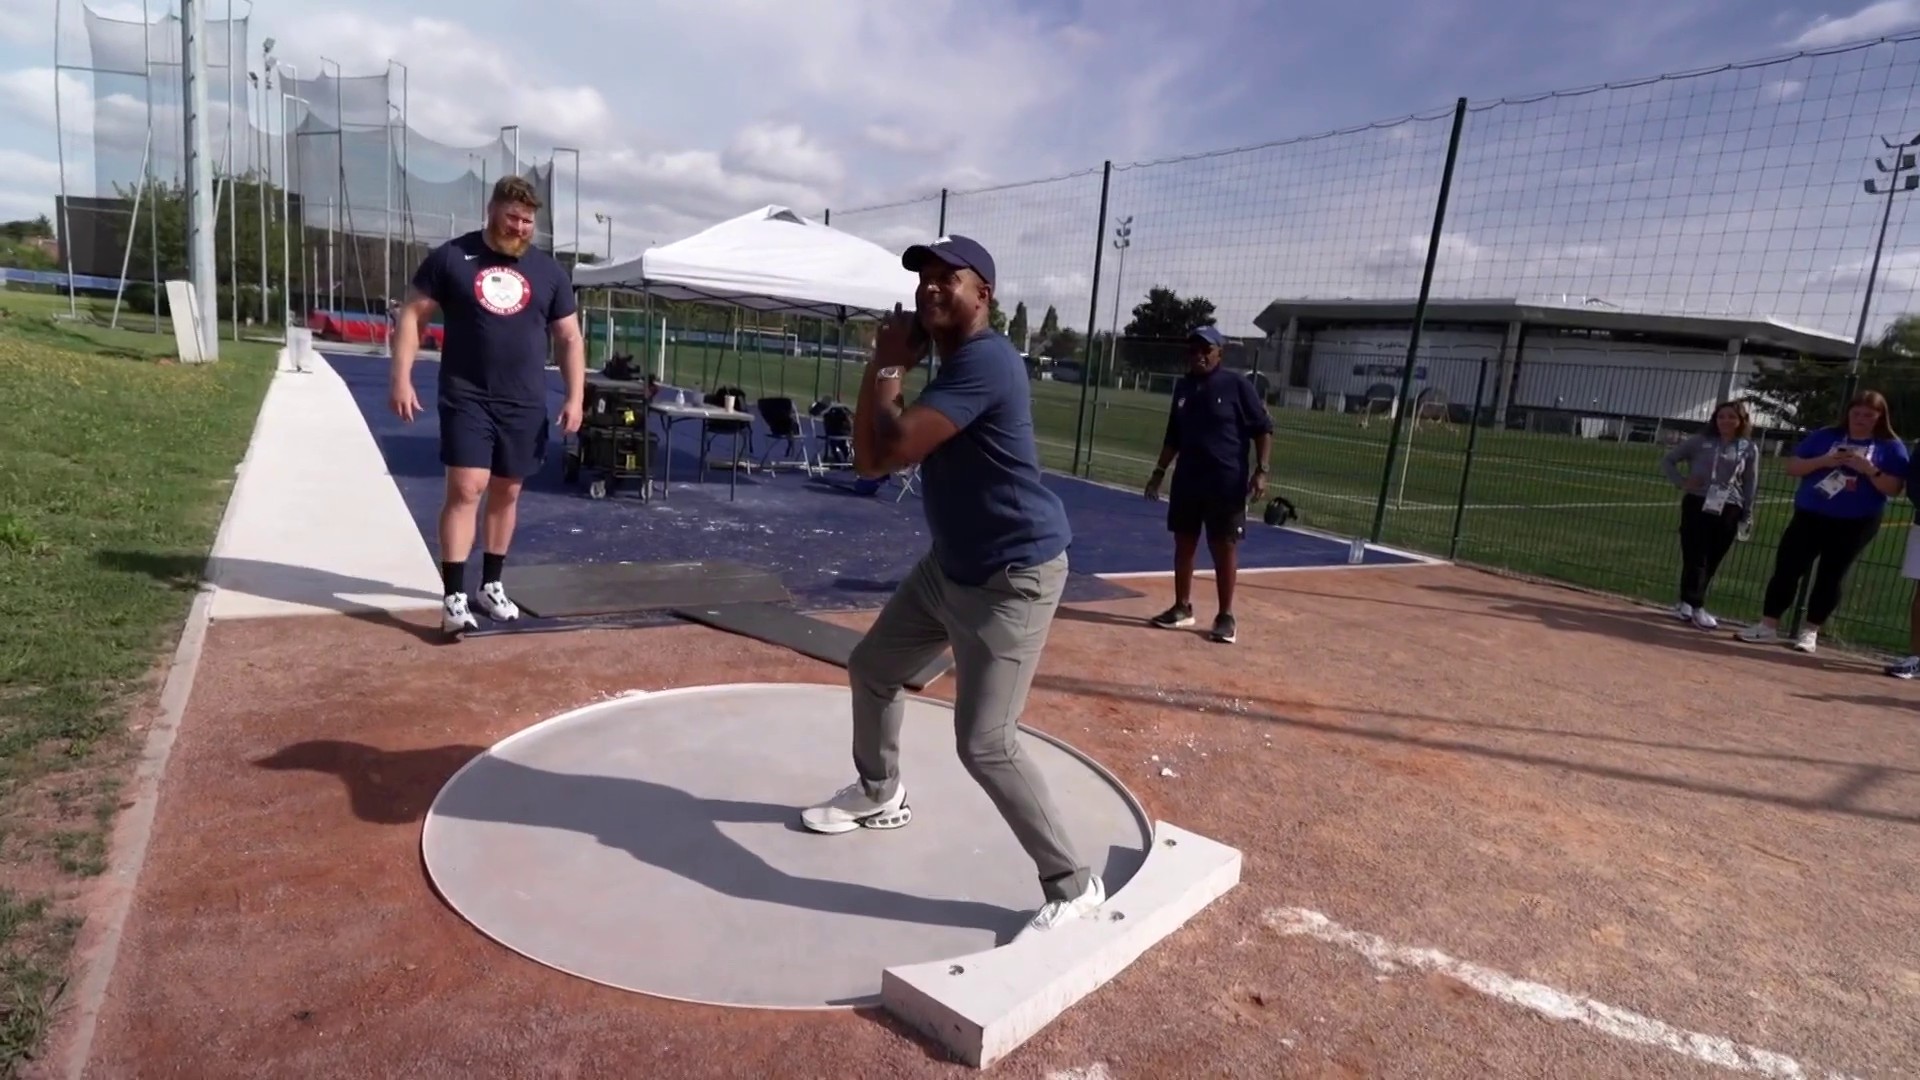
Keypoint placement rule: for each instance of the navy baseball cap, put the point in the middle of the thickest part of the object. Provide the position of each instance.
(1209, 335)
(955, 251)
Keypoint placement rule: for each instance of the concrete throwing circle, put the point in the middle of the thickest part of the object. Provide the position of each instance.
(653, 843)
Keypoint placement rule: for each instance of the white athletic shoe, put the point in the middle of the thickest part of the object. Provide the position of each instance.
(1683, 611)
(495, 605)
(1759, 634)
(1703, 620)
(1807, 641)
(1056, 912)
(851, 808)
(454, 616)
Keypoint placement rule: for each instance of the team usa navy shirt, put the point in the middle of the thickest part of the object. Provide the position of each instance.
(498, 312)
(986, 503)
(1212, 425)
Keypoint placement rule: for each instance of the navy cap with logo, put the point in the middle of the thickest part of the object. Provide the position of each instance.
(1208, 335)
(956, 251)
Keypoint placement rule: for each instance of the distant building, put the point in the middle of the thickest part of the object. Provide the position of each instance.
(1586, 362)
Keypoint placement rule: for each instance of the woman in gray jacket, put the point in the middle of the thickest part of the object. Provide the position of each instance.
(1721, 482)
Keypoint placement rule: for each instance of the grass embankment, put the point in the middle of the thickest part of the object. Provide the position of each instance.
(118, 463)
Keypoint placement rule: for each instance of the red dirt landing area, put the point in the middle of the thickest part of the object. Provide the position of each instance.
(1716, 837)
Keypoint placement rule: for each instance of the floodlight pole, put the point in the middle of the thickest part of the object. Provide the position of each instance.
(608, 221)
(201, 269)
(286, 221)
(557, 151)
(1902, 161)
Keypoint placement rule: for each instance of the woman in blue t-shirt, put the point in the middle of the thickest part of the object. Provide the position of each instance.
(1847, 472)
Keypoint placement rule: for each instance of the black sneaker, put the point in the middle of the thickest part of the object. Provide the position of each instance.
(1174, 618)
(1223, 630)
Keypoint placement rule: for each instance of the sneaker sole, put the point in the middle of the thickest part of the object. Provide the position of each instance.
(1901, 674)
(886, 819)
(1224, 639)
(1180, 625)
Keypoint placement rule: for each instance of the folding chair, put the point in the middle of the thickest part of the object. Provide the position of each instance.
(834, 422)
(783, 426)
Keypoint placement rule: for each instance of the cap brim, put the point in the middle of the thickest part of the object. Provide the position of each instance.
(916, 256)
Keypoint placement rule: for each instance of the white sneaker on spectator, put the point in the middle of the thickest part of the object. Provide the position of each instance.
(1807, 641)
(1683, 611)
(1703, 620)
(1759, 634)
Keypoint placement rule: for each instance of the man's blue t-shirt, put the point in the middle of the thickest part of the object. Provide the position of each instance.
(986, 503)
(498, 312)
(1855, 497)
(1212, 425)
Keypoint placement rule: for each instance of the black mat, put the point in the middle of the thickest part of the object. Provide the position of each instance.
(569, 589)
(803, 634)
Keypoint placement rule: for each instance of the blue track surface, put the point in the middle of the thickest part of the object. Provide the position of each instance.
(833, 549)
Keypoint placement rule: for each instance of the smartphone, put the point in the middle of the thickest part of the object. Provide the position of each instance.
(916, 333)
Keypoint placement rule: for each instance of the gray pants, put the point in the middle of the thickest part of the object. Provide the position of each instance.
(996, 631)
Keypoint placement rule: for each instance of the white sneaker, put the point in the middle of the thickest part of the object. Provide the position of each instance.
(1703, 620)
(1759, 634)
(1056, 912)
(1807, 641)
(852, 808)
(454, 616)
(1683, 611)
(1905, 669)
(495, 605)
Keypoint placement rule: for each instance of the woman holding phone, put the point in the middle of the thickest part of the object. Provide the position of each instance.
(1847, 473)
(1720, 485)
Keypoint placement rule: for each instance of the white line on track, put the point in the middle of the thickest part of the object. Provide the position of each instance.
(1545, 1000)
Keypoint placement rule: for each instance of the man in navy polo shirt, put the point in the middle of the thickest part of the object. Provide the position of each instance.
(504, 300)
(1217, 416)
(989, 587)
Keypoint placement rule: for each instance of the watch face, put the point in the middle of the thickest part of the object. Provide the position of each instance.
(889, 373)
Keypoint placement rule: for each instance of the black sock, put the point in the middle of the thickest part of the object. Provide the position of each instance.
(453, 576)
(490, 567)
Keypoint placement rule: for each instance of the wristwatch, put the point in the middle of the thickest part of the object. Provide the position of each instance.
(888, 373)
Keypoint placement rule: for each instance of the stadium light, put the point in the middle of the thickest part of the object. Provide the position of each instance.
(1903, 162)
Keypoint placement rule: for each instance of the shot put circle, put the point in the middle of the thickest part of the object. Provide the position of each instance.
(653, 843)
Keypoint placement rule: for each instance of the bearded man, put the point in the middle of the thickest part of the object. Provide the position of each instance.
(506, 304)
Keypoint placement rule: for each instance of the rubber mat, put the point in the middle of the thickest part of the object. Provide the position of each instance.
(803, 634)
(571, 589)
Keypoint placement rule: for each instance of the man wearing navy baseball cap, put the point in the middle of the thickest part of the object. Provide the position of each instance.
(1217, 416)
(989, 586)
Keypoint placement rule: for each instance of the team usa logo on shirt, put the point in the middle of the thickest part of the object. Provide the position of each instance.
(502, 290)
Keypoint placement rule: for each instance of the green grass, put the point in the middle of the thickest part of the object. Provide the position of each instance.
(118, 463)
(1586, 512)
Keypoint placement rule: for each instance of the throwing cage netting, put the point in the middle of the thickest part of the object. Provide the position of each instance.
(325, 197)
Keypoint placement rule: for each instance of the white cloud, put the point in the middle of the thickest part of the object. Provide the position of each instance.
(1874, 20)
(783, 152)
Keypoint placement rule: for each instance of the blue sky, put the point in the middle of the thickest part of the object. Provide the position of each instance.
(1729, 192)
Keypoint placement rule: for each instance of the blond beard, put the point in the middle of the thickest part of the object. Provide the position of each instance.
(510, 246)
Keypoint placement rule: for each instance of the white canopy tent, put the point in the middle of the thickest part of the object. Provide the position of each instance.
(771, 260)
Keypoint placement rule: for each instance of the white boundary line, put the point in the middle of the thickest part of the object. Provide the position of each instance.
(1545, 1000)
(110, 899)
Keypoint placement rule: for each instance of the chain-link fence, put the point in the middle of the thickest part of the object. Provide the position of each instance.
(325, 157)
(1479, 328)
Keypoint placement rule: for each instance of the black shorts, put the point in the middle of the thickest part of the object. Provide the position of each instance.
(506, 438)
(1223, 518)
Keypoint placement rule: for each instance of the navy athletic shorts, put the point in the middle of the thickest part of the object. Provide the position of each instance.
(1223, 518)
(506, 438)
